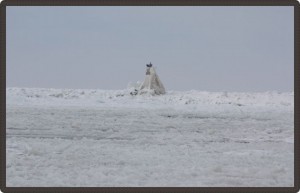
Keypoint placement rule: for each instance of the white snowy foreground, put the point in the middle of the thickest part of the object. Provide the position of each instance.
(65, 137)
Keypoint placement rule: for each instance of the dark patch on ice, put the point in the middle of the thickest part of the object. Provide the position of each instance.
(170, 127)
(119, 95)
(65, 95)
(241, 141)
(198, 131)
(39, 129)
(149, 131)
(188, 102)
(274, 131)
(272, 141)
(169, 116)
(13, 128)
(70, 137)
(196, 117)
(120, 138)
(262, 119)
(44, 136)
(223, 140)
(59, 95)
(192, 116)
(72, 96)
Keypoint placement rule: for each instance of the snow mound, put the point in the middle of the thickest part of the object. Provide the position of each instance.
(44, 96)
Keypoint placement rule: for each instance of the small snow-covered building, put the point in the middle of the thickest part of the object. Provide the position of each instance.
(152, 82)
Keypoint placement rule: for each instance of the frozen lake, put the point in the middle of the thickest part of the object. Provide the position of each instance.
(64, 137)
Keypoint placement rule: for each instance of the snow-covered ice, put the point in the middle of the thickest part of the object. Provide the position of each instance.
(78, 137)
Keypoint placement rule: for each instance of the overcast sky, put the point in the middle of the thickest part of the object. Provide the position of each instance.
(201, 48)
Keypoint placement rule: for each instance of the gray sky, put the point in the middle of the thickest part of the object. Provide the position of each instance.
(201, 48)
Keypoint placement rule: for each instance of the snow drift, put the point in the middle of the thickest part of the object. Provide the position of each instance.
(92, 97)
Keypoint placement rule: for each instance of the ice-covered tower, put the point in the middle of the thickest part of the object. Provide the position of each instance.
(152, 82)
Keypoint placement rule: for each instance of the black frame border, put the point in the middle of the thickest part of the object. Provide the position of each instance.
(6, 3)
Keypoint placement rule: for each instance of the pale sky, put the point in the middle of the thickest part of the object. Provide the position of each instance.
(202, 48)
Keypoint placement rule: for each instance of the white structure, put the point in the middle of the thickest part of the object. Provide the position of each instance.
(152, 82)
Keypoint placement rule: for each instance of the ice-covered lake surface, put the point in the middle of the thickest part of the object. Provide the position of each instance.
(96, 138)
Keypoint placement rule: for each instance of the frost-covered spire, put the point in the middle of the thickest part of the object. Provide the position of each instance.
(152, 82)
